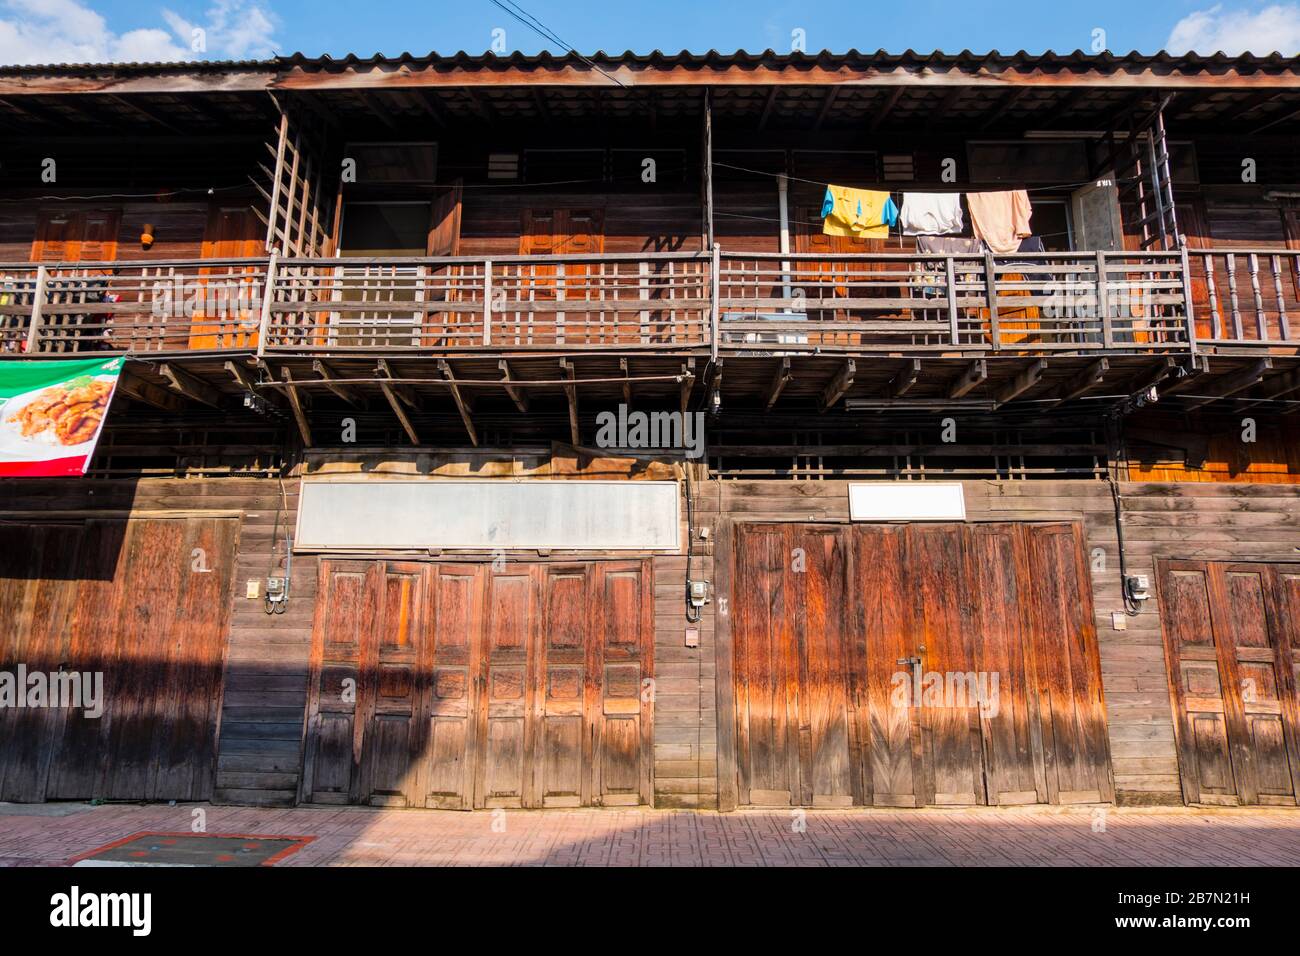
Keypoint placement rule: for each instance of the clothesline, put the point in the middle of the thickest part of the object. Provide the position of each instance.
(739, 215)
(821, 184)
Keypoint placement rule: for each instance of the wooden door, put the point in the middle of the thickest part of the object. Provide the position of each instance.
(36, 600)
(346, 607)
(225, 316)
(455, 616)
(1064, 648)
(558, 232)
(1005, 645)
(823, 282)
(392, 691)
(910, 665)
(1229, 632)
(507, 713)
(620, 716)
(143, 605)
(457, 686)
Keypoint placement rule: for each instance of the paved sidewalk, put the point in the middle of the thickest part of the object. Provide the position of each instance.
(358, 836)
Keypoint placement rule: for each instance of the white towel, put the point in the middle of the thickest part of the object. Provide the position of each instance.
(931, 214)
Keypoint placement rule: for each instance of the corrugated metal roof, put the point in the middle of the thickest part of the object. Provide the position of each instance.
(657, 59)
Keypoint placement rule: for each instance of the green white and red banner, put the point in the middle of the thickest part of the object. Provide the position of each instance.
(51, 414)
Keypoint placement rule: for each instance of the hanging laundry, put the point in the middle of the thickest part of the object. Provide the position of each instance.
(933, 280)
(1000, 219)
(931, 214)
(946, 245)
(860, 213)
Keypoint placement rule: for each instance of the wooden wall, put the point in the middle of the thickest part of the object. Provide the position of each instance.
(1207, 521)
(267, 657)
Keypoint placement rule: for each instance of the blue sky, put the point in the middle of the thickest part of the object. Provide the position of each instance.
(64, 30)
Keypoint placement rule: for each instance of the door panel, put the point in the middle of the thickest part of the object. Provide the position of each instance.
(1229, 633)
(139, 607)
(518, 687)
(456, 596)
(921, 664)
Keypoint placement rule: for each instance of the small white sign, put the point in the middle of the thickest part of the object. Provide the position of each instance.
(907, 501)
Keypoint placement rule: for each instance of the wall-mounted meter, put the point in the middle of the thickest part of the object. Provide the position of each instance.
(698, 591)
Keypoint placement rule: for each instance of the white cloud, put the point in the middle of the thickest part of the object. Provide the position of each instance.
(1270, 29)
(69, 31)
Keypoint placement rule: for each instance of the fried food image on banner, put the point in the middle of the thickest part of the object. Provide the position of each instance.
(71, 412)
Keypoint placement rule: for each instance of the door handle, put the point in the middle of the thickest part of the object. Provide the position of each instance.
(909, 661)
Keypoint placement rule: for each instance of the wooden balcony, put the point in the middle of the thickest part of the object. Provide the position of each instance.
(722, 303)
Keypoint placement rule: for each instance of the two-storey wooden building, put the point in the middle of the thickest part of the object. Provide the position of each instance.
(356, 530)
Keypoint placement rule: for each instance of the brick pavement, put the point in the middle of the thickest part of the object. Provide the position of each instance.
(357, 836)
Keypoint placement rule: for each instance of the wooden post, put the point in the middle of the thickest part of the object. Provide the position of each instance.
(1261, 325)
(951, 281)
(991, 293)
(264, 326)
(38, 302)
(1188, 305)
(1282, 321)
(708, 169)
(274, 211)
(1103, 303)
(487, 301)
(713, 299)
(1233, 300)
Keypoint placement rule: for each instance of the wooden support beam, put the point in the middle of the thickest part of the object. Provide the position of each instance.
(827, 103)
(767, 108)
(1278, 388)
(1010, 100)
(1023, 382)
(975, 373)
(147, 114)
(186, 384)
(295, 402)
(401, 391)
(882, 113)
(1199, 365)
(462, 405)
(243, 376)
(1084, 381)
(838, 385)
(1230, 385)
(902, 383)
(627, 382)
(149, 393)
(517, 394)
(688, 383)
(396, 397)
(779, 381)
(328, 375)
(571, 392)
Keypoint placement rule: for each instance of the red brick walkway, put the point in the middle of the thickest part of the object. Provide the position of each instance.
(1011, 837)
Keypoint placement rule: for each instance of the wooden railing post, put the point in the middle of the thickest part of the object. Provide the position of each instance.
(487, 301)
(991, 293)
(716, 270)
(951, 282)
(264, 326)
(1188, 305)
(38, 303)
(1103, 303)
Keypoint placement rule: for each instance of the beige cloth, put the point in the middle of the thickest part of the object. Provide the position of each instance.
(1000, 219)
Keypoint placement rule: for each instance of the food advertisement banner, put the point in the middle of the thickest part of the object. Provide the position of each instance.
(51, 414)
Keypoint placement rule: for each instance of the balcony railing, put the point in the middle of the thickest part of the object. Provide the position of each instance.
(1028, 302)
(1246, 296)
(734, 302)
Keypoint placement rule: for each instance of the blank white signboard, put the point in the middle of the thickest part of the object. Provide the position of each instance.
(907, 501)
(438, 513)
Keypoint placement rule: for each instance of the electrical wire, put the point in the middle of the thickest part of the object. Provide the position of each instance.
(546, 33)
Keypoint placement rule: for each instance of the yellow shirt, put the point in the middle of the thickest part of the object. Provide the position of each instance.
(861, 213)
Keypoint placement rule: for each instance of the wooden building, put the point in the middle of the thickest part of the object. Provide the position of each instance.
(354, 532)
